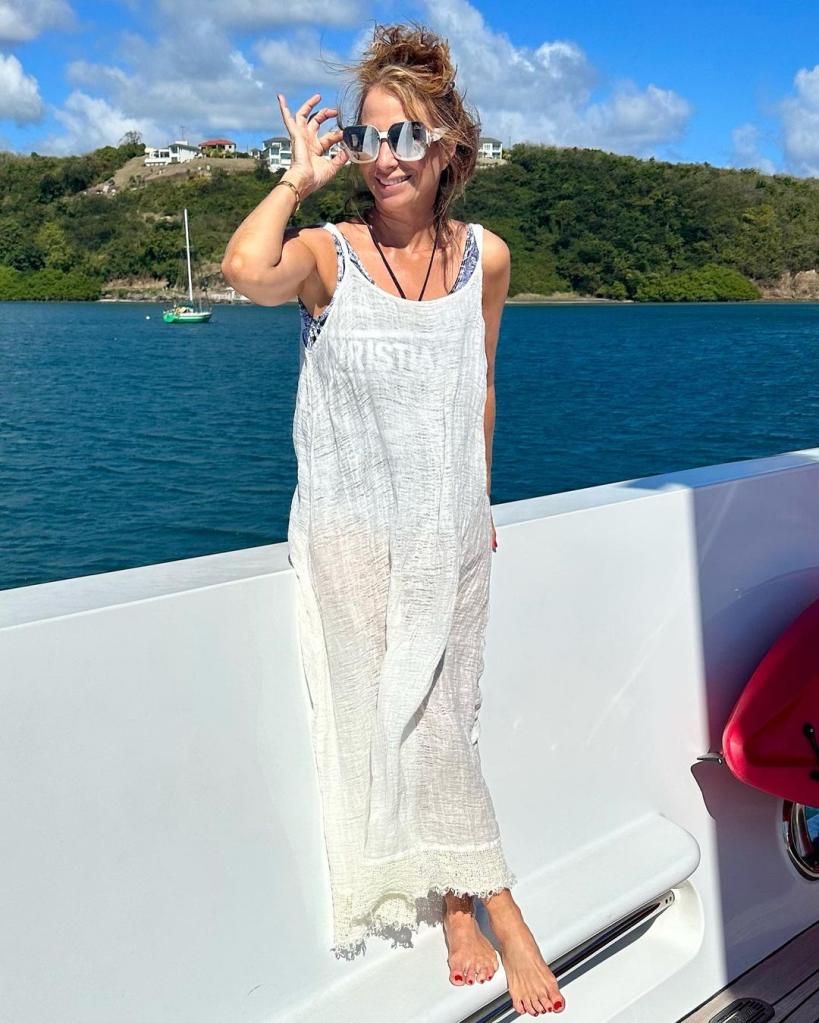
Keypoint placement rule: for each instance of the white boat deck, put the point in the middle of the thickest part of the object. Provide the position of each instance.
(162, 850)
(788, 979)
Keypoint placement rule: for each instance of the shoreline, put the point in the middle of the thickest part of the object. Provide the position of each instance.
(545, 300)
(527, 300)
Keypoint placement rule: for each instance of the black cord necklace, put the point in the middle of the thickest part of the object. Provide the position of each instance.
(429, 268)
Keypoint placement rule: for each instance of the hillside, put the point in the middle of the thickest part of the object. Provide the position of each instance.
(577, 221)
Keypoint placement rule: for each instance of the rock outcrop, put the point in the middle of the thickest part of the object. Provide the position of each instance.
(803, 284)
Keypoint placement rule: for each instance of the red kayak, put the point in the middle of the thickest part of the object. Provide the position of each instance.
(771, 740)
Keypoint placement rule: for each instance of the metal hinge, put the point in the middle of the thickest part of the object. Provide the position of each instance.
(716, 757)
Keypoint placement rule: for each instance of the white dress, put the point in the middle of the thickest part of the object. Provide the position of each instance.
(389, 537)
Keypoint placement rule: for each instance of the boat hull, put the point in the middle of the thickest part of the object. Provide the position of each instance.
(186, 317)
(162, 843)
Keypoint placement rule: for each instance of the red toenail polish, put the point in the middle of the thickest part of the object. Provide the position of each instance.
(558, 1005)
(457, 976)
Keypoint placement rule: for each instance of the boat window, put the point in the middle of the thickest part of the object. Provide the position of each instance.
(800, 827)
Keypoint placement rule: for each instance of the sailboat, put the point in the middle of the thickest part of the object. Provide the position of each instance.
(185, 312)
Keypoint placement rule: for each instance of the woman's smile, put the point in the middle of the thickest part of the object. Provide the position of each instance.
(391, 182)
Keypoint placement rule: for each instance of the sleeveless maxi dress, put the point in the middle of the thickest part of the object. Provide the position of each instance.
(389, 538)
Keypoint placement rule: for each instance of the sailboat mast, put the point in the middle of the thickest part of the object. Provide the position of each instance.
(188, 253)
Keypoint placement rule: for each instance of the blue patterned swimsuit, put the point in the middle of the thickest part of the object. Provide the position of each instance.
(311, 326)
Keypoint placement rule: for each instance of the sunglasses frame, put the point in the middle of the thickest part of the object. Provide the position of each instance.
(431, 135)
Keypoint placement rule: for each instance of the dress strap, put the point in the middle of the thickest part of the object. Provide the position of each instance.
(340, 241)
(477, 230)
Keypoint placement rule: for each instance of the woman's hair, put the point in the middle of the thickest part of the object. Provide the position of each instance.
(414, 64)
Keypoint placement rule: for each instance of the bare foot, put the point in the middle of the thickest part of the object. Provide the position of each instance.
(532, 985)
(472, 959)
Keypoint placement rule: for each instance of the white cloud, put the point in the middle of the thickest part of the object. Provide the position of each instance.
(23, 20)
(636, 120)
(295, 60)
(745, 140)
(800, 123)
(104, 76)
(209, 85)
(90, 123)
(264, 14)
(544, 93)
(19, 93)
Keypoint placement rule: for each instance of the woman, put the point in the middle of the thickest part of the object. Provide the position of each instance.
(390, 526)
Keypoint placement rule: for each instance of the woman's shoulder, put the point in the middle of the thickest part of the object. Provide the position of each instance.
(350, 228)
(315, 236)
(496, 255)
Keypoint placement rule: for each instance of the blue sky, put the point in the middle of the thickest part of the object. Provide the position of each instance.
(734, 84)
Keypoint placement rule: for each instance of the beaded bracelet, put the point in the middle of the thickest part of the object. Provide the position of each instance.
(291, 185)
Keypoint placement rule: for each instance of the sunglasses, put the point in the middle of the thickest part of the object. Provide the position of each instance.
(409, 140)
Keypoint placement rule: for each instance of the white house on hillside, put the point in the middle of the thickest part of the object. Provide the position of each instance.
(179, 151)
(490, 150)
(277, 153)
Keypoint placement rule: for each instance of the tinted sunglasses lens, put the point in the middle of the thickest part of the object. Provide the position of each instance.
(408, 140)
(361, 143)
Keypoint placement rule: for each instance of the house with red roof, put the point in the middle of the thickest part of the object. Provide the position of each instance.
(219, 145)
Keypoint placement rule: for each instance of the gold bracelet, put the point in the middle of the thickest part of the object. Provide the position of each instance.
(290, 183)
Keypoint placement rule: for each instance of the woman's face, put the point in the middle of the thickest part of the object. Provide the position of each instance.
(382, 109)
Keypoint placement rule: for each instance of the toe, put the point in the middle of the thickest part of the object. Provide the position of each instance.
(456, 974)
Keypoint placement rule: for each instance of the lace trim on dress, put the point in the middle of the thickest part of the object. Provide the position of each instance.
(416, 884)
(310, 326)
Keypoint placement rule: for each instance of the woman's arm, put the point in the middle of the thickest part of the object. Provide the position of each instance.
(496, 272)
(263, 261)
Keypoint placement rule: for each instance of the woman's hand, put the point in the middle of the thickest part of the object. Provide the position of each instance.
(309, 165)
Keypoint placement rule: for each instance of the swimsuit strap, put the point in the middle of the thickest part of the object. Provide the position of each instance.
(477, 233)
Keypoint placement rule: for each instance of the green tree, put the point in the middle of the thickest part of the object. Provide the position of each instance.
(52, 242)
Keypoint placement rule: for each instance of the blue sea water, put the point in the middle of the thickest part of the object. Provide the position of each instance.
(125, 441)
